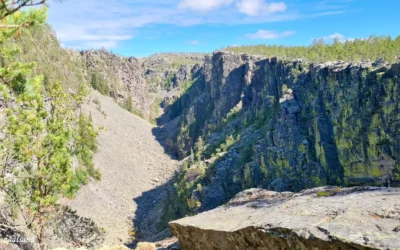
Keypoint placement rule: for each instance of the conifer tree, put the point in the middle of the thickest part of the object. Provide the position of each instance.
(38, 136)
(198, 149)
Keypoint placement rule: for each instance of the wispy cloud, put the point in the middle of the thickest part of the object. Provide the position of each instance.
(194, 42)
(70, 33)
(103, 22)
(269, 34)
(100, 44)
(332, 4)
(336, 36)
(257, 7)
(203, 5)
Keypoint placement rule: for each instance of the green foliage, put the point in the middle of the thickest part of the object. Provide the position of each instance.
(360, 49)
(98, 83)
(85, 147)
(80, 177)
(42, 132)
(222, 146)
(263, 167)
(186, 85)
(55, 63)
(168, 82)
(198, 149)
(247, 177)
(325, 194)
(155, 110)
(246, 154)
(39, 141)
(14, 21)
(128, 105)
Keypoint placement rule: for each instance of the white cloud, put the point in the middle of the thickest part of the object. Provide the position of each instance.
(100, 44)
(70, 34)
(258, 7)
(203, 5)
(194, 42)
(269, 34)
(337, 36)
(111, 22)
(334, 36)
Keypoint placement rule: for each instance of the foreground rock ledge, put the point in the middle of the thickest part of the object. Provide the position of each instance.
(321, 218)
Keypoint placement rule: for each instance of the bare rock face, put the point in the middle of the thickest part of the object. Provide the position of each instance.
(301, 125)
(183, 75)
(124, 77)
(320, 218)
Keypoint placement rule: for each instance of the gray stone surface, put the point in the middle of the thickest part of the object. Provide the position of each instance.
(318, 219)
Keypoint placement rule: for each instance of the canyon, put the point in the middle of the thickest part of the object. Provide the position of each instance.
(182, 134)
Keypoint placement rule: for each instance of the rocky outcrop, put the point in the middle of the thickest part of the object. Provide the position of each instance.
(65, 228)
(287, 125)
(124, 76)
(169, 75)
(319, 219)
(183, 75)
(165, 70)
(70, 229)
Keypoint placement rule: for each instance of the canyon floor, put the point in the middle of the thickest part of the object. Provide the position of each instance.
(132, 162)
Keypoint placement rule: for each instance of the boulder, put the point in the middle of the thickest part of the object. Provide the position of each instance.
(319, 219)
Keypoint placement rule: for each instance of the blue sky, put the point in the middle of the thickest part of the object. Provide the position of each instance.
(144, 27)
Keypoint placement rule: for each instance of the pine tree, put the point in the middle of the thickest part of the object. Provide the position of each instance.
(129, 104)
(198, 149)
(40, 129)
(39, 143)
(247, 177)
(94, 81)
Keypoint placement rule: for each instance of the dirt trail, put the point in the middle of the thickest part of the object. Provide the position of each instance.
(131, 162)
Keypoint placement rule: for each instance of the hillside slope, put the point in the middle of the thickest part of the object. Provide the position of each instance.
(131, 162)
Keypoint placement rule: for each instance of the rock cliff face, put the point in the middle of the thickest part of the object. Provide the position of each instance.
(320, 219)
(286, 125)
(124, 76)
(142, 84)
(136, 84)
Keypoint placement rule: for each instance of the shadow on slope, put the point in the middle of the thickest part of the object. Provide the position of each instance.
(149, 220)
(169, 122)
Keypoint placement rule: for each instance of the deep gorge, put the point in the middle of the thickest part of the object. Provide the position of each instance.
(233, 121)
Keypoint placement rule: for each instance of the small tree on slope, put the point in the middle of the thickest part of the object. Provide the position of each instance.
(40, 134)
